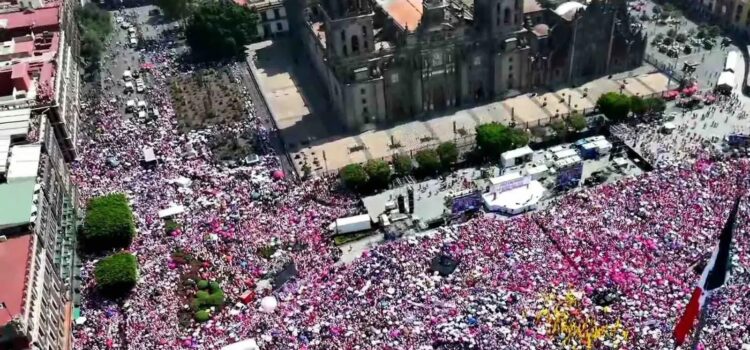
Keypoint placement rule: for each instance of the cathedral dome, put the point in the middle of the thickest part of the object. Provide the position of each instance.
(541, 29)
(568, 9)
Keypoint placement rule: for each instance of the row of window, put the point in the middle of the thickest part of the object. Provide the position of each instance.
(276, 14)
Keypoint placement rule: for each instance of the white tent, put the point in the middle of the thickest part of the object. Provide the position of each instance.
(127, 75)
(247, 344)
(171, 211)
(148, 155)
(726, 81)
(731, 63)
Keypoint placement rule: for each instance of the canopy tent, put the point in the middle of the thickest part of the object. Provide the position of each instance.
(171, 211)
(149, 155)
(247, 344)
(726, 82)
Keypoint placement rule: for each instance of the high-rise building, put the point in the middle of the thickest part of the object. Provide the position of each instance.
(39, 81)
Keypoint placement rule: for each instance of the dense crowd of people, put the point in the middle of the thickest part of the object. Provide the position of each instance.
(605, 267)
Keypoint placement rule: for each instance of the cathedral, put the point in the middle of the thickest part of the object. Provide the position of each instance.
(386, 61)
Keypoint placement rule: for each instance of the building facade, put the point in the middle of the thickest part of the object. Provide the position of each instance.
(39, 83)
(385, 61)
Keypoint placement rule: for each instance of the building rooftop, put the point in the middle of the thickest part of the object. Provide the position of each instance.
(14, 258)
(40, 18)
(16, 204)
(406, 13)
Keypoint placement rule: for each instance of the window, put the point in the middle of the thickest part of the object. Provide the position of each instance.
(497, 11)
(279, 27)
(364, 101)
(510, 76)
(506, 16)
(362, 91)
(394, 78)
(364, 110)
(510, 59)
(263, 16)
(364, 31)
(343, 35)
(477, 60)
(510, 67)
(355, 44)
(276, 13)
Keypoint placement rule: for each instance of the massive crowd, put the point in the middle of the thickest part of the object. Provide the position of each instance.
(606, 267)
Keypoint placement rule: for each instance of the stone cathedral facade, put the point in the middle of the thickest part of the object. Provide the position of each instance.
(386, 61)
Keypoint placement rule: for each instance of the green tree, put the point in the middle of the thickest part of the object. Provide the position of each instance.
(613, 105)
(95, 25)
(175, 9)
(577, 121)
(655, 105)
(429, 161)
(448, 153)
(108, 224)
(671, 33)
(668, 41)
(494, 139)
(354, 176)
(680, 38)
(379, 173)
(218, 30)
(116, 274)
(638, 105)
(402, 164)
(560, 129)
(202, 316)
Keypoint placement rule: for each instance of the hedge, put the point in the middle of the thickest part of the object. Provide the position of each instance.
(116, 274)
(108, 224)
(202, 316)
(209, 295)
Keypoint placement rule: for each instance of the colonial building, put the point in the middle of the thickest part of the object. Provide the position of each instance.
(384, 61)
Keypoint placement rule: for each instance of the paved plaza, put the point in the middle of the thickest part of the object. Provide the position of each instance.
(313, 136)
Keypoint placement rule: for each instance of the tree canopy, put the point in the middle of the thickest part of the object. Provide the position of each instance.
(494, 139)
(108, 224)
(429, 161)
(655, 105)
(638, 105)
(448, 153)
(217, 30)
(379, 173)
(354, 176)
(95, 25)
(175, 9)
(402, 164)
(116, 274)
(614, 105)
(577, 121)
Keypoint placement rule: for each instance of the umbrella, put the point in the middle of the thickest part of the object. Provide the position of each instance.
(268, 304)
(278, 175)
(81, 320)
(255, 195)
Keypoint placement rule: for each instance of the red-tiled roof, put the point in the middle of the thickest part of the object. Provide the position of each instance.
(15, 257)
(39, 18)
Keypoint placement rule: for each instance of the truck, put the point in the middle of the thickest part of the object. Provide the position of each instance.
(352, 224)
